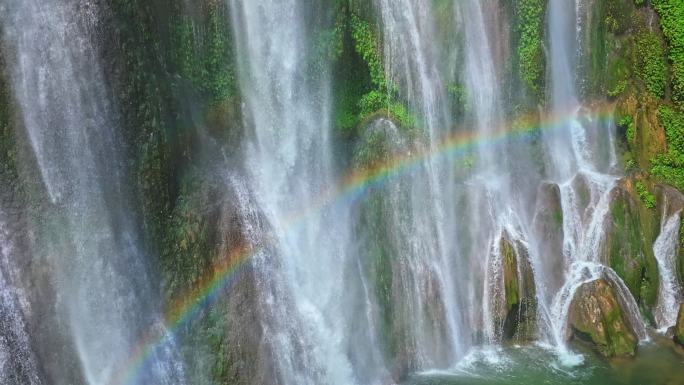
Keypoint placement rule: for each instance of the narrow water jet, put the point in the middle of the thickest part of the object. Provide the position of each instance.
(665, 249)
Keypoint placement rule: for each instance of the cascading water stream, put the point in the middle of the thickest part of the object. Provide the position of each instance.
(428, 227)
(585, 185)
(490, 194)
(97, 263)
(289, 165)
(666, 248)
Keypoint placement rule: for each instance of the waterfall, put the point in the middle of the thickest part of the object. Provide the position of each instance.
(289, 167)
(17, 361)
(585, 182)
(97, 260)
(437, 235)
(666, 248)
(425, 238)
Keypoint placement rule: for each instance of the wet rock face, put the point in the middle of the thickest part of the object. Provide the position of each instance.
(521, 301)
(628, 248)
(548, 226)
(596, 317)
(679, 328)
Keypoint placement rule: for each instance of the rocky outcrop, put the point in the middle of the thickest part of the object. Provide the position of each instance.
(628, 244)
(596, 317)
(519, 313)
(679, 327)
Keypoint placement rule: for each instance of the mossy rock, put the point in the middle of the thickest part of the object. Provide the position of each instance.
(597, 317)
(520, 311)
(644, 134)
(628, 245)
(679, 328)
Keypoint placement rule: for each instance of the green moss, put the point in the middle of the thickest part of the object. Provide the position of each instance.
(627, 124)
(187, 248)
(366, 45)
(558, 219)
(530, 26)
(510, 265)
(630, 250)
(618, 74)
(203, 55)
(670, 165)
(596, 316)
(649, 62)
(646, 197)
(361, 87)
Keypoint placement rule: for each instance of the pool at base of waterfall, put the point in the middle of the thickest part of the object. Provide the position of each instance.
(658, 362)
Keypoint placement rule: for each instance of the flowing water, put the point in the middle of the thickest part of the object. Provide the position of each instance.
(666, 248)
(424, 235)
(289, 163)
(17, 361)
(531, 365)
(97, 262)
(585, 182)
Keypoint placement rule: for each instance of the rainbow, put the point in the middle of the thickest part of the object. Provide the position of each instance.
(354, 185)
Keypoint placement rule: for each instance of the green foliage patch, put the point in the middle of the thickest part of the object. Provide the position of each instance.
(672, 21)
(670, 166)
(649, 62)
(203, 56)
(646, 197)
(530, 23)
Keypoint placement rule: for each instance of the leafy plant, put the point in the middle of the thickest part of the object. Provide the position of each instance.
(646, 197)
(670, 165)
(672, 21)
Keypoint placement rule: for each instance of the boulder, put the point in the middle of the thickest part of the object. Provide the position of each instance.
(519, 315)
(597, 317)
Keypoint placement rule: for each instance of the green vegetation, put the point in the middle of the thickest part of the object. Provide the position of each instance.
(649, 62)
(672, 21)
(366, 45)
(204, 56)
(670, 166)
(530, 23)
(646, 197)
(630, 251)
(627, 124)
(596, 316)
(384, 95)
(510, 268)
